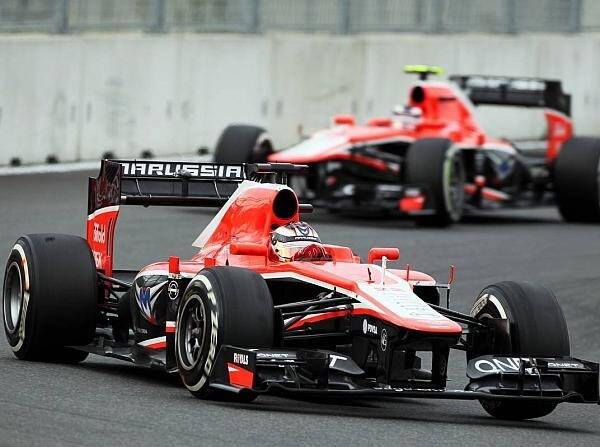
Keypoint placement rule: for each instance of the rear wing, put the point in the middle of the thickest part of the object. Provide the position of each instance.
(165, 183)
(524, 92)
(170, 183)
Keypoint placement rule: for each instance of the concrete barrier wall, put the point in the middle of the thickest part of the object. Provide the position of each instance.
(78, 96)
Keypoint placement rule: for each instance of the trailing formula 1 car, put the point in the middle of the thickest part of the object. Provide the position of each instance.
(266, 307)
(433, 161)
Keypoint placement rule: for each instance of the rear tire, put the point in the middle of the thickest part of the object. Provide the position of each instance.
(50, 297)
(243, 144)
(577, 180)
(221, 306)
(432, 162)
(537, 329)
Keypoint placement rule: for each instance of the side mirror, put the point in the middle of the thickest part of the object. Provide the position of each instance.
(248, 249)
(344, 119)
(380, 122)
(375, 254)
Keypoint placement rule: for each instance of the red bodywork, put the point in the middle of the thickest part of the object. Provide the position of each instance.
(355, 294)
(445, 113)
(243, 226)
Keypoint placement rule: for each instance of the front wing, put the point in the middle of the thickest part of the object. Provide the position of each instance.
(261, 371)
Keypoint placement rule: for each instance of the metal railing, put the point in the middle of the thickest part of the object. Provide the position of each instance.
(330, 16)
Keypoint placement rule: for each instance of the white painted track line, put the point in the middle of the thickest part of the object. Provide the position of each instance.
(86, 165)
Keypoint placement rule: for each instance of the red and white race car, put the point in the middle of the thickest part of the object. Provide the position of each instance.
(432, 160)
(266, 306)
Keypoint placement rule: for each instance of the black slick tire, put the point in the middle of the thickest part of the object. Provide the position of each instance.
(50, 297)
(537, 329)
(435, 165)
(241, 143)
(577, 180)
(221, 305)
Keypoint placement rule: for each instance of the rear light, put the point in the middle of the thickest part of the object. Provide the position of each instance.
(331, 180)
(408, 204)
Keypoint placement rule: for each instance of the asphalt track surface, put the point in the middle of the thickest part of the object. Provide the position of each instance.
(106, 402)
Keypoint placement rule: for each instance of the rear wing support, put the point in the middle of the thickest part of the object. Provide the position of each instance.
(165, 183)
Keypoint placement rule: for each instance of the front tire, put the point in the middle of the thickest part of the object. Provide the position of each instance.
(49, 297)
(435, 164)
(537, 328)
(577, 180)
(243, 144)
(221, 306)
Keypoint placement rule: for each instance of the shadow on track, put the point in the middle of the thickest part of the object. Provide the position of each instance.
(505, 219)
(406, 410)
(415, 410)
(130, 371)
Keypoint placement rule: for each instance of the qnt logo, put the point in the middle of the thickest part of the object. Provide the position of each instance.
(500, 365)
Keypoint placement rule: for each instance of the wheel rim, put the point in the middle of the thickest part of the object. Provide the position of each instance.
(13, 297)
(454, 187)
(191, 340)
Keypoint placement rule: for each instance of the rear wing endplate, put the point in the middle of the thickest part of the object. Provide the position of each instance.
(165, 183)
(514, 91)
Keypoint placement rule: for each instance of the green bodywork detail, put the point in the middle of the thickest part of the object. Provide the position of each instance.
(424, 70)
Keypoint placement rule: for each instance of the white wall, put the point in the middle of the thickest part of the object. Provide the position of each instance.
(78, 96)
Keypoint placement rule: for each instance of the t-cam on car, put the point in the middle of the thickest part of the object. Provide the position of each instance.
(433, 161)
(266, 306)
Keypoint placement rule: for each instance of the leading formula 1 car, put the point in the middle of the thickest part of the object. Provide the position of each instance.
(265, 306)
(433, 161)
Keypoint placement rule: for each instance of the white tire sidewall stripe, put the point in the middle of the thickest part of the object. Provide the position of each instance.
(484, 300)
(492, 299)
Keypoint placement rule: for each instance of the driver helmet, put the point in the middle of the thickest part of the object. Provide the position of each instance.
(297, 241)
(408, 116)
